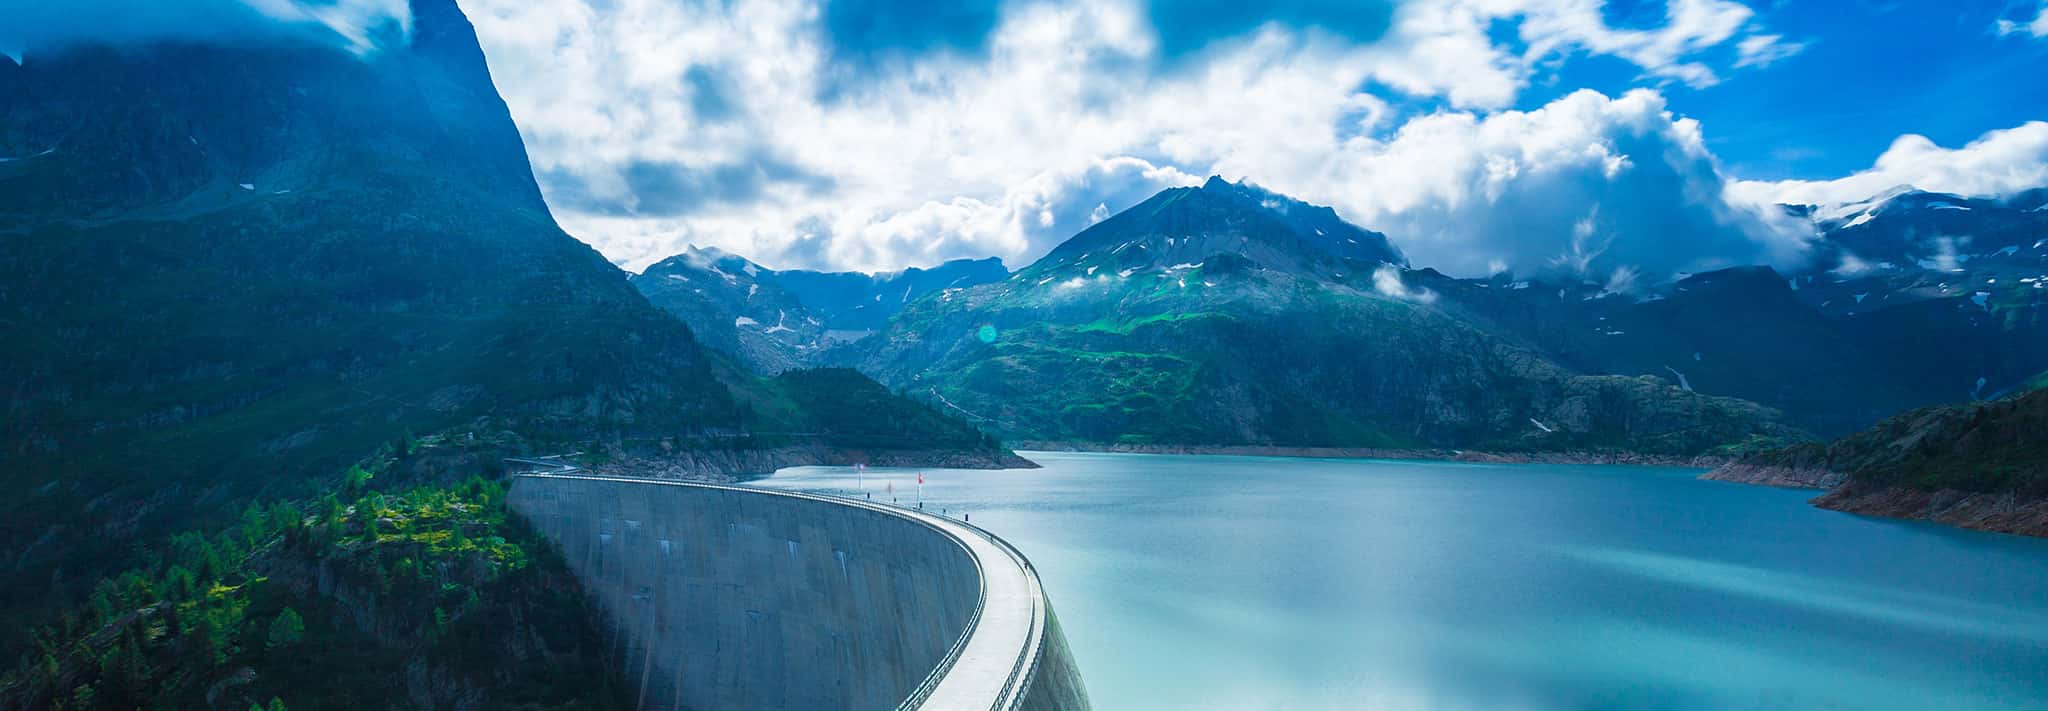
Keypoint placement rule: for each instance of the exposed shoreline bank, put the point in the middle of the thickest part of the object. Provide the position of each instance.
(1445, 455)
(737, 465)
(1995, 513)
(1782, 477)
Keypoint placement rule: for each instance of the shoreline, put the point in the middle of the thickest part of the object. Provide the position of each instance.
(726, 466)
(1442, 455)
(1836, 491)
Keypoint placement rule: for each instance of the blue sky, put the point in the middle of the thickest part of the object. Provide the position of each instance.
(1856, 75)
(1868, 72)
(1624, 139)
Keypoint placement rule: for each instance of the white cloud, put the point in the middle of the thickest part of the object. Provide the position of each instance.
(1765, 50)
(33, 26)
(1387, 281)
(658, 123)
(1584, 185)
(1997, 163)
(1691, 26)
(2036, 28)
(353, 21)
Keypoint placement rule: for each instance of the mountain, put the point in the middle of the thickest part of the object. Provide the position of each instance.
(1183, 226)
(778, 320)
(1226, 315)
(1904, 230)
(1979, 465)
(1745, 332)
(1836, 345)
(857, 302)
(729, 304)
(228, 273)
(1833, 347)
(1952, 289)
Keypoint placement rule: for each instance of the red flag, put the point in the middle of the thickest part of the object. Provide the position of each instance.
(920, 477)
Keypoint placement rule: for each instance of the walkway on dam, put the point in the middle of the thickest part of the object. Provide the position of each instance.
(995, 663)
(992, 663)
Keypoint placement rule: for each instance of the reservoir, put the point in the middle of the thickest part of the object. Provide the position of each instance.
(1206, 582)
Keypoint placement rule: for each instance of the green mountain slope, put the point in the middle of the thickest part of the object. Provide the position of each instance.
(1152, 332)
(230, 272)
(1745, 333)
(1979, 465)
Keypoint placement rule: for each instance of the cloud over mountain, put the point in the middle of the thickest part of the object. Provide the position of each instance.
(878, 135)
(1000, 129)
(1998, 163)
(1587, 185)
(33, 26)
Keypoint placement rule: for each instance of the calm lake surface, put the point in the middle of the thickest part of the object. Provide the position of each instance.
(1188, 582)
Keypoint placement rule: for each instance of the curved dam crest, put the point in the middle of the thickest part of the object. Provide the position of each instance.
(720, 597)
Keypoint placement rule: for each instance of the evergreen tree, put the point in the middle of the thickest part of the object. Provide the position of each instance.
(48, 672)
(286, 630)
(180, 584)
(369, 514)
(124, 669)
(254, 525)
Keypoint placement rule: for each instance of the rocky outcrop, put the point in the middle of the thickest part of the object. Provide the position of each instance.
(1800, 466)
(1784, 477)
(2001, 512)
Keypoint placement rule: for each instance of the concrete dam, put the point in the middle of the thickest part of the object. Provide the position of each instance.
(727, 597)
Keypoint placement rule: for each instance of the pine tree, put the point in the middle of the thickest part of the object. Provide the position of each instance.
(48, 672)
(253, 525)
(180, 584)
(286, 630)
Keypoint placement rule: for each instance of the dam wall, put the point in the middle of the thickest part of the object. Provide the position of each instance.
(724, 597)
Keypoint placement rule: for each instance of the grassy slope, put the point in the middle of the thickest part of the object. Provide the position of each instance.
(1999, 446)
(179, 345)
(421, 594)
(1223, 354)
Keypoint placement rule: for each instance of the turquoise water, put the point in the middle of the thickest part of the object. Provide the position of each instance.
(1250, 583)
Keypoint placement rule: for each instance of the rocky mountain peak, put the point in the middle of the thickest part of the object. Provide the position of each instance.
(1185, 226)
